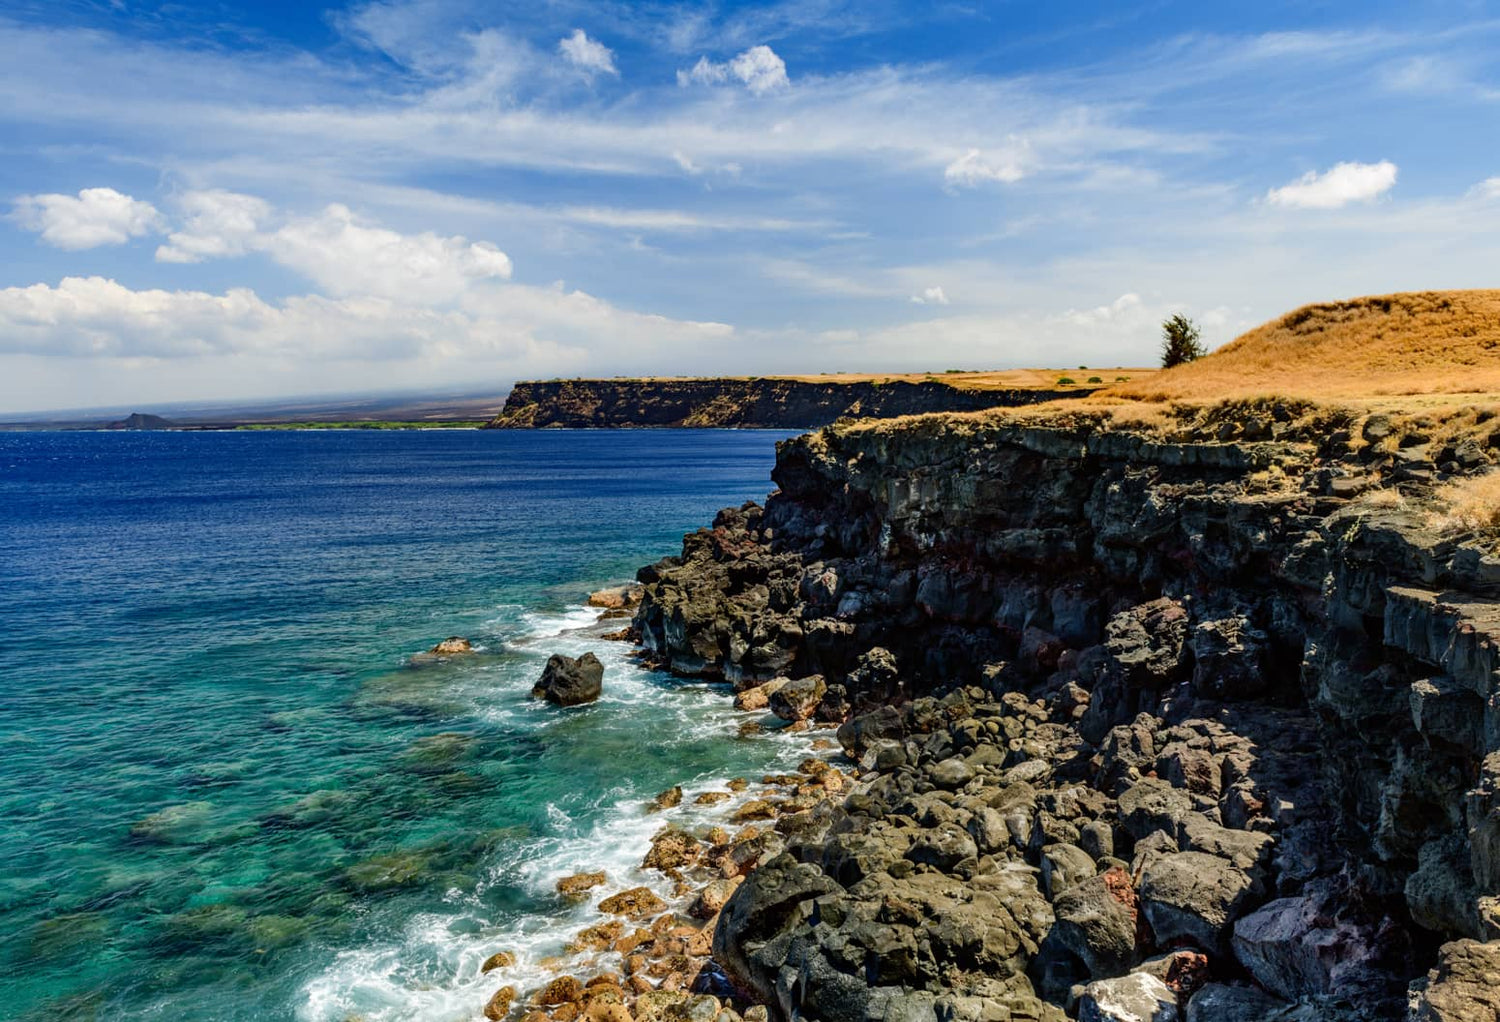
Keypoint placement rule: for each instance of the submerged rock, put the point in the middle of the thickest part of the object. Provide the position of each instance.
(452, 646)
(569, 682)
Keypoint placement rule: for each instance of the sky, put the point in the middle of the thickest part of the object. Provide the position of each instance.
(221, 200)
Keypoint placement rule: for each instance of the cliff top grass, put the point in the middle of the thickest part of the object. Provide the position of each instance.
(1383, 349)
(959, 379)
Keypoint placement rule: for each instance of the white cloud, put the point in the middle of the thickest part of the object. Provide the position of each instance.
(1487, 189)
(95, 216)
(215, 224)
(974, 167)
(100, 318)
(931, 296)
(588, 55)
(1339, 186)
(339, 253)
(1125, 309)
(759, 69)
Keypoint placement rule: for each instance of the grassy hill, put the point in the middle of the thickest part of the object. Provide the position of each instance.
(1433, 343)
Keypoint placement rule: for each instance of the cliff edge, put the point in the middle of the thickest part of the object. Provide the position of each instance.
(767, 402)
(1186, 716)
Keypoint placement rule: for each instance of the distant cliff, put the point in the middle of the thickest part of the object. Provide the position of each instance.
(751, 402)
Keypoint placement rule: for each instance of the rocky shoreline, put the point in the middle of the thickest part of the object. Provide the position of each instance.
(1200, 728)
(746, 402)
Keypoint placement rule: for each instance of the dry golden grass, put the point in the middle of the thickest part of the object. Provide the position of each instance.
(1002, 379)
(1468, 505)
(1437, 344)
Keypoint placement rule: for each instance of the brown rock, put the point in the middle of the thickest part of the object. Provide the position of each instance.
(673, 849)
(562, 990)
(713, 897)
(636, 903)
(566, 1012)
(579, 884)
(498, 960)
(738, 784)
(702, 944)
(628, 943)
(452, 646)
(669, 799)
(712, 798)
(639, 985)
(600, 1012)
(596, 938)
(498, 1006)
(759, 697)
(617, 597)
(755, 809)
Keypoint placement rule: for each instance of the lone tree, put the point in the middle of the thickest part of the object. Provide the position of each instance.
(1180, 341)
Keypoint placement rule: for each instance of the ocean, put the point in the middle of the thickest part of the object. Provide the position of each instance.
(226, 789)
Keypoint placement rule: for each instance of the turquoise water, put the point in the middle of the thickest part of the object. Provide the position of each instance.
(226, 792)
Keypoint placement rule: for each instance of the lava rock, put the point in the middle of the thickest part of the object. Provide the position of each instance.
(569, 682)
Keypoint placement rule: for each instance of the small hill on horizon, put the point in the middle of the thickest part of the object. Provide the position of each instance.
(142, 420)
(1381, 346)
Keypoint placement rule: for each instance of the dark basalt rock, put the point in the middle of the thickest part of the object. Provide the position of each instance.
(1110, 700)
(569, 682)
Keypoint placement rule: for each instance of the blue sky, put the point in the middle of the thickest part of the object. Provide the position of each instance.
(226, 200)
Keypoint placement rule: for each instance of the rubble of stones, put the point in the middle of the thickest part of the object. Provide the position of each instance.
(648, 959)
(1134, 741)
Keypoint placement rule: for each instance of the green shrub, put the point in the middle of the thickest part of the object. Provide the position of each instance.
(1066, 381)
(1095, 379)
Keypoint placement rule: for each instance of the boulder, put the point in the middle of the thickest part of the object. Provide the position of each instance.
(452, 646)
(858, 734)
(1063, 866)
(498, 1006)
(1229, 659)
(758, 697)
(1138, 997)
(1298, 947)
(672, 849)
(951, 774)
(798, 699)
(636, 903)
(769, 901)
(624, 597)
(1097, 922)
(498, 960)
(569, 682)
(1221, 1002)
(1146, 642)
(1464, 986)
(1196, 897)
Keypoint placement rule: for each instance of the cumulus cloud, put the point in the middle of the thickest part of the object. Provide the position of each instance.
(588, 55)
(1339, 186)
(100, 318)
(975, 167)
(95, 216)
(215, 224)
(1125, 309)
(347, 257)
(759, 69)
(931, 296)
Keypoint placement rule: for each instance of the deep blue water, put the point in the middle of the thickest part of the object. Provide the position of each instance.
(225, 790)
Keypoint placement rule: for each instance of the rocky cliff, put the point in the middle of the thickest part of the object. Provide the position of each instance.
(761, 402)
(1199, 726)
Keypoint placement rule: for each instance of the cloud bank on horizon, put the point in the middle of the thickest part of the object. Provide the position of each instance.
(280, 199)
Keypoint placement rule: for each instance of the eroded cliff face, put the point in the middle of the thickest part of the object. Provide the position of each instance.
(1209, 728)
(767, 403)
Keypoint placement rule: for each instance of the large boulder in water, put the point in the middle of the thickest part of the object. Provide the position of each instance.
(569, 682)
